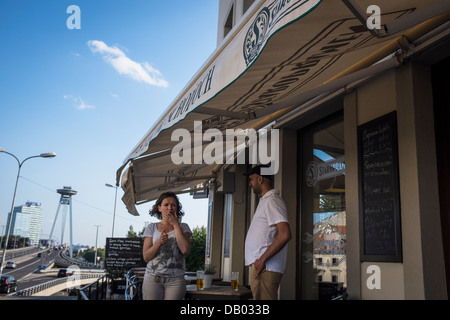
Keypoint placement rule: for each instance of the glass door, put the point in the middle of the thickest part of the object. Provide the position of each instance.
(323, 221)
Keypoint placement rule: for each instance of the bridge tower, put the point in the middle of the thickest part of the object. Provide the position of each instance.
(65, 200)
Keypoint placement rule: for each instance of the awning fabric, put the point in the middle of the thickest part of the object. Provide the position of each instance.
(278, 51)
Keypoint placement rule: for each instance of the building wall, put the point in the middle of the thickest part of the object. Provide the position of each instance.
(367, 104)
(421, 275)
(425, 273)
(287, 184)
(230, 14)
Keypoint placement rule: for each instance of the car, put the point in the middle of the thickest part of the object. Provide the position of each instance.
(10, 265)
(8, 283)
(64, 272)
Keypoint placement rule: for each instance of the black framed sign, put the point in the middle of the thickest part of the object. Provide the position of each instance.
(379, 196)
(124, 252)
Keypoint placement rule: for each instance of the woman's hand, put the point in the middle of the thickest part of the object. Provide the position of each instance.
(163, 239)
(171, 219)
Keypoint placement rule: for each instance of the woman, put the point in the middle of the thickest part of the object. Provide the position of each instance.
(165, 244)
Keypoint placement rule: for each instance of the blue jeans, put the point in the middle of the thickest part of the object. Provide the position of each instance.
(156, 287)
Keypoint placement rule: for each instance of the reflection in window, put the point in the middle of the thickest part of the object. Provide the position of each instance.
(323, 212)
(227, 234)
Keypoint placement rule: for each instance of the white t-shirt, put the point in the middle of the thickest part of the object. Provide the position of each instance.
(169, 260)
(271, 210)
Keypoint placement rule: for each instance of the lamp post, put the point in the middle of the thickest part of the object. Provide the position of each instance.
(8, 228)
(115, 202)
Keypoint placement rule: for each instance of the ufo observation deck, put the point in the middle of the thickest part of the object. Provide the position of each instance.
(67, 191)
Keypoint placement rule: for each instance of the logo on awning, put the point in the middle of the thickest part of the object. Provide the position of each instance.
(256, 36)
(265, 24)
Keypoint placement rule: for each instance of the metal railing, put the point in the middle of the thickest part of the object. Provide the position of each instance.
(63, 260)
(12, 254)
(95, 290)
(43, 286)
(134, 279)
(343, 296)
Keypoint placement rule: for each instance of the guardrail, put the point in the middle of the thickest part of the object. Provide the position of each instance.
(87, 292)
(43, 286)
(64, 261)
(17, 253)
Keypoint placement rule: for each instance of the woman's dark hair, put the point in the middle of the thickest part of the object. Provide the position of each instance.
(154, 212)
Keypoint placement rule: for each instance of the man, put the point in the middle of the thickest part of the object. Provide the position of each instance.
(267, 238)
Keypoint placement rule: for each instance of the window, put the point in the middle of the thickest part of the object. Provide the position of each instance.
(323, 215)
(228, 22)
(208, 234)
(247, 4)
(227, 233)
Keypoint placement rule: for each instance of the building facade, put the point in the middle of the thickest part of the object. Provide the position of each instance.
(27, 221)
(356, 119)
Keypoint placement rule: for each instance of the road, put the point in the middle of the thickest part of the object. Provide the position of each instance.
(25, 272)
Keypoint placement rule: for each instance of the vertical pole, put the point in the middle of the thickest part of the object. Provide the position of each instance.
(54, 221)
(63, 224)
(10, 218)
(114, 216)
(96, 238)
(70, 202)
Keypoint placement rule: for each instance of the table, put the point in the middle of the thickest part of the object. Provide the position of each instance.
(217, 292)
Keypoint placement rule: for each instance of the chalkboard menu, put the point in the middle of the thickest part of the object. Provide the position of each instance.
(124, 252)
(380, 229)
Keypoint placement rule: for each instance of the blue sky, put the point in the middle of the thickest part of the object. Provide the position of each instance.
(90, 95)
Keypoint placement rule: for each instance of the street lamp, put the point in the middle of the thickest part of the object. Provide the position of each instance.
(8, 228)
(115, 202)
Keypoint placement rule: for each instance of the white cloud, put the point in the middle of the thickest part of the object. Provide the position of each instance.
(142, 72)
(78, 102)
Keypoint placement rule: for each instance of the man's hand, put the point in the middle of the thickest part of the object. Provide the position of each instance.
(259, 265)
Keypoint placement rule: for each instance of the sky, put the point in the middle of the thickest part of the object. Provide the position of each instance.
(90, 95)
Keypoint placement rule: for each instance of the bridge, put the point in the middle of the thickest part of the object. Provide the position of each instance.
(85, 274)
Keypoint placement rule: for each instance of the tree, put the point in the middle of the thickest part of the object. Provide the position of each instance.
(131, 233)
(195, 259)
(89, 255)
(15, 241)
(330, 203)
